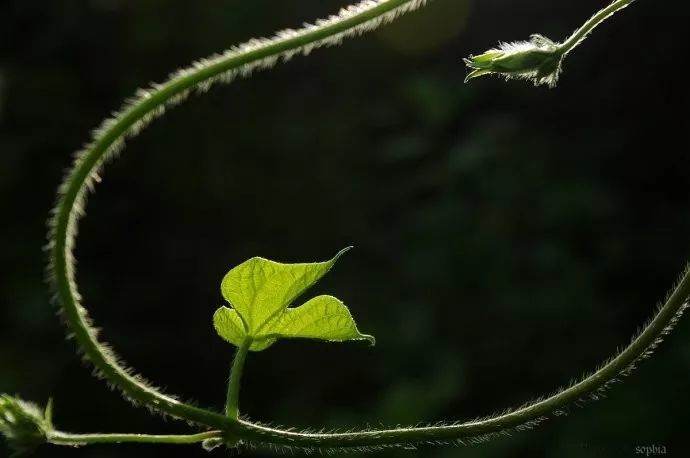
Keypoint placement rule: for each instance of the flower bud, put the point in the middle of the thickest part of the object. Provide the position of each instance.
(24, 425)
(538, 60)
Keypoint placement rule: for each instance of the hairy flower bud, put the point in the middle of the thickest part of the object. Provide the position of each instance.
(538, 60)
(24, 425)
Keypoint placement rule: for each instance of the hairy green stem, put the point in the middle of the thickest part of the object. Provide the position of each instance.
(232, 403)
(132, 118)
(581, 33)
(240, 62)
(615, 368)
(75, 440)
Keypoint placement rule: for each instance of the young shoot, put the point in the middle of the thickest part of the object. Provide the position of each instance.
(260, 293)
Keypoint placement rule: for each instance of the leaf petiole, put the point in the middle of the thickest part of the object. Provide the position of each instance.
(232, 400)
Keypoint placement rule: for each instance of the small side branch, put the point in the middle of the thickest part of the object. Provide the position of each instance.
(77, 440)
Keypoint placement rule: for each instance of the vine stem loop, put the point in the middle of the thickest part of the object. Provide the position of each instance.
(136, 114)
(238, 62)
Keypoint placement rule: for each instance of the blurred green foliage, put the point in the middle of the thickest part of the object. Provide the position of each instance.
(518, 236)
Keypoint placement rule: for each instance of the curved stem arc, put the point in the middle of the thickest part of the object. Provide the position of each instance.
(238, 62)
(109, 139)
(526, 416)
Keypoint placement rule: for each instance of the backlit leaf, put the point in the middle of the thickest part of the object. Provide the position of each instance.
(260, 291)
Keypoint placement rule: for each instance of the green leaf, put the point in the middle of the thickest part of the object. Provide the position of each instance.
(260, 292)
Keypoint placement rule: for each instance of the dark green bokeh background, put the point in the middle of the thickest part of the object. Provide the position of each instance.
(508, 238)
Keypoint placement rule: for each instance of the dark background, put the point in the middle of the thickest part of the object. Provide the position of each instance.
(508, 238)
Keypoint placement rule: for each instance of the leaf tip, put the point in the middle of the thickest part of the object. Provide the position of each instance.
(341, 252)
(369, 338)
